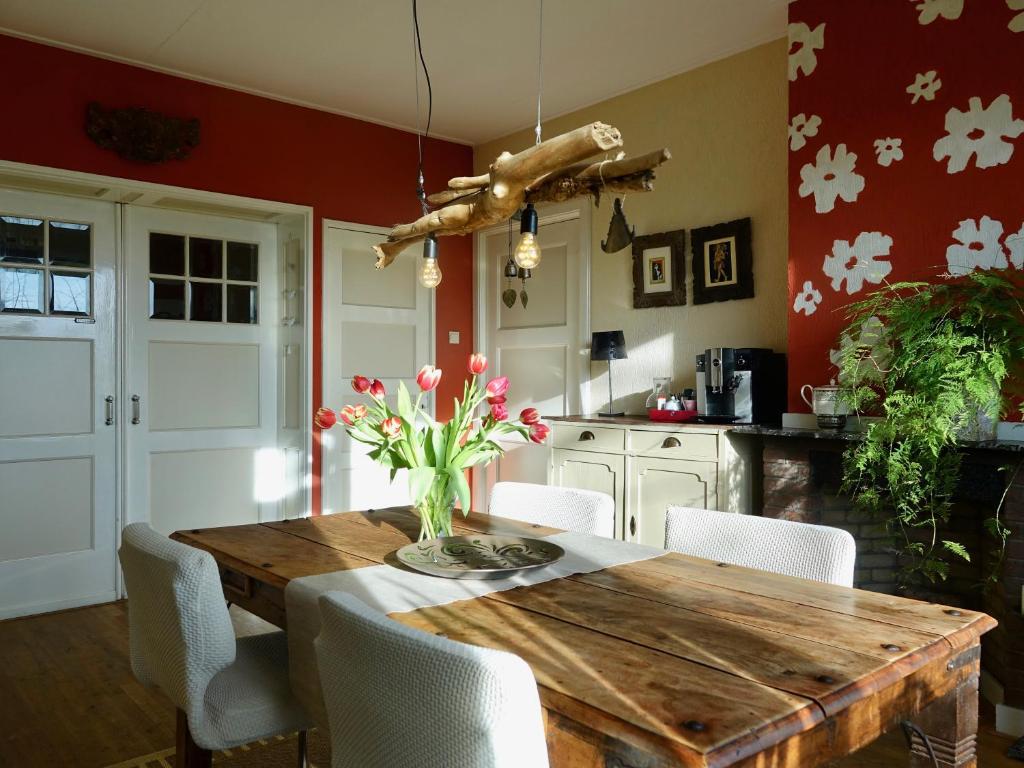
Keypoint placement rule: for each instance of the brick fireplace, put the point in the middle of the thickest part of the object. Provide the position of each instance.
(802, 472)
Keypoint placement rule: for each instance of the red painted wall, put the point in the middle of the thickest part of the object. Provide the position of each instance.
(920, 211)
(344, 168)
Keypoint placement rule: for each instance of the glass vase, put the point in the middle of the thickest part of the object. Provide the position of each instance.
(436, 509)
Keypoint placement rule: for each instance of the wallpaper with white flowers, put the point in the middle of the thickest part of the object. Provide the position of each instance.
(906, 142)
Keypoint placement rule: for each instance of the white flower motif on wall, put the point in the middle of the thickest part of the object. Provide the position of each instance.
(872, 350)
(888, 151)
(807, 300)
(977, 247)
(831, 176)
(929, 10)
(803, 44)
(925, 86)
(980, 132)
(800, 127)
(1017, 22)
(858, 263)
(1015, 245)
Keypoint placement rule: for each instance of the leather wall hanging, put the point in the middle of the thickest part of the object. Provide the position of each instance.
(141, 135)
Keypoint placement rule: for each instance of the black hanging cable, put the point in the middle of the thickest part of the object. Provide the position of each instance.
(421, 193)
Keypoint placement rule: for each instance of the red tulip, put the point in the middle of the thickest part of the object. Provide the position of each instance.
(499, 411)
(497, 387)
(428, 378)
(477, 363)
(392, 427)
(539, 432)
(529, 416)
(496, 400)
(350, 414)
(376, 389)
(360, 384)
(325, 418)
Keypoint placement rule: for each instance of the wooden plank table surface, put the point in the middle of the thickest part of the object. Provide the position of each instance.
(673, 661)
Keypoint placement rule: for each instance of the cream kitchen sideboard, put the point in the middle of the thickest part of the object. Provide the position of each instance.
(647, 466)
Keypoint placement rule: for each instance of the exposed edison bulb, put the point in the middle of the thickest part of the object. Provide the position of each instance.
(430, 273)
(527, 253)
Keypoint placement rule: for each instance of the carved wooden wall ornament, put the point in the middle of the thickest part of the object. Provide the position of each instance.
(141, 135)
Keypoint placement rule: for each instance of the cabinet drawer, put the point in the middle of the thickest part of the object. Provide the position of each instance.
(681, 445)
(589, 438)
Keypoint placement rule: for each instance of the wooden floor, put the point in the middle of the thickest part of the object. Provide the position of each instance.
(68, 698)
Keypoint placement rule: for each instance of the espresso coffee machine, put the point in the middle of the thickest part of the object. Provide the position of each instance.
(742, 386)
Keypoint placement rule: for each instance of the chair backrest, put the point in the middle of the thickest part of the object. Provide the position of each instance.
(814, 552)
(402, 698)
(180, 632)
(572, 509)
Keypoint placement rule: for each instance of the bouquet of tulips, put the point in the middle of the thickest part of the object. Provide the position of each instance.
(436, 455)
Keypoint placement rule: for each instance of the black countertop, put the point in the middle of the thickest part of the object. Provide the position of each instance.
(1011, 446)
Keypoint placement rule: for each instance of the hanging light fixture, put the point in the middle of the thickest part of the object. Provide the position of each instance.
(430, 270)
(528, 249)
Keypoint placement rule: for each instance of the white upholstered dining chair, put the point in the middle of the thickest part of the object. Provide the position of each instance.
(397, 697)
(571, 509)
(181, 639)
(815, 552)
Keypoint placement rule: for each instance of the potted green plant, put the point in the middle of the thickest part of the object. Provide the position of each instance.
(932, 360)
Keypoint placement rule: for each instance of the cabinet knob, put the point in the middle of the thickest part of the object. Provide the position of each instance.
(632, 526)
(671, 442)
(586, 435)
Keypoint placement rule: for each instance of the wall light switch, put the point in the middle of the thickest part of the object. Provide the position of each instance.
(453, 337)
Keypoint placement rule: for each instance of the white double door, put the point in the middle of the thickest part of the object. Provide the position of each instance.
(138, 382)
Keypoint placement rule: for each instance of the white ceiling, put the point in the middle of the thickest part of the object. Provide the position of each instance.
(355, 56)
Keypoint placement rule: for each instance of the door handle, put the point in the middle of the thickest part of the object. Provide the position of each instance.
(136, 410)
(586, 435)
(671, 442)
(632, 526)
(109, 406)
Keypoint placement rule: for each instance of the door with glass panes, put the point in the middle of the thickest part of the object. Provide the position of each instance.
(58, 420)
(203, 312)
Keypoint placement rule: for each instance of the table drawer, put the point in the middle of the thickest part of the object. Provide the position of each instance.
(589, 438)
(690, 445)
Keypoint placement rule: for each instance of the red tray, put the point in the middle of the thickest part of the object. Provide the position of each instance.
(660, 415)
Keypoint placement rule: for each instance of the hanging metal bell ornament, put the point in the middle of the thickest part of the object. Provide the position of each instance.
(619, 233)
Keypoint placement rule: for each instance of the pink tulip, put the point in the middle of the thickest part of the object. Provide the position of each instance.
(477, 363)
(376, 389)
(496, 400)
(428, 378)
(497, 387)
(529, 416)
(392, 427)
(539, 432)
(325, 418)
(361, 384)
(499, 411)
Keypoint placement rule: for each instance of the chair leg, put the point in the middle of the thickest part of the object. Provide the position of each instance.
(303, 750)
(187, 753)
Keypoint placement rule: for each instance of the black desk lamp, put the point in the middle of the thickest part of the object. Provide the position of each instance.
(608, 345)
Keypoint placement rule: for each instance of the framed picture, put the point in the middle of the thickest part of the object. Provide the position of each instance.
(723, 265)
(659, 270)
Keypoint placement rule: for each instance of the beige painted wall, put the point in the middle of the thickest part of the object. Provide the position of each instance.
(726, 125)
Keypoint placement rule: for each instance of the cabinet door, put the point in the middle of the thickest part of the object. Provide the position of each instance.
(593, 472)
(656, 484)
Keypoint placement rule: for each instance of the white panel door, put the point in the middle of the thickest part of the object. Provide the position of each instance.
(538, 346)
(58, 438)
(379, 324)
(203, 312)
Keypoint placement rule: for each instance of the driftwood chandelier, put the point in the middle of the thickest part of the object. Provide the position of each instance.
(551, 171)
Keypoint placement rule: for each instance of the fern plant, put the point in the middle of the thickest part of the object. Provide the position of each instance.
(936, 356)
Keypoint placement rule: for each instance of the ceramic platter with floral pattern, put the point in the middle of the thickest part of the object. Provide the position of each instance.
(479, 557)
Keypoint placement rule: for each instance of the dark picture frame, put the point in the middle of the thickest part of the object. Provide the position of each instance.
(659, 277)
(723, 263)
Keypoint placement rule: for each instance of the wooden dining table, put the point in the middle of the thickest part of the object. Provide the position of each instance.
(670, 661)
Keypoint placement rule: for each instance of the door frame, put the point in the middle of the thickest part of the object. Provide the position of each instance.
(578, 209)
(112, 189)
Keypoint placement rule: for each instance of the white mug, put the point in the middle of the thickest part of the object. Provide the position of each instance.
(825, 401)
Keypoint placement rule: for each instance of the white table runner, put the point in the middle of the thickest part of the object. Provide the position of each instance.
(393, 590)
